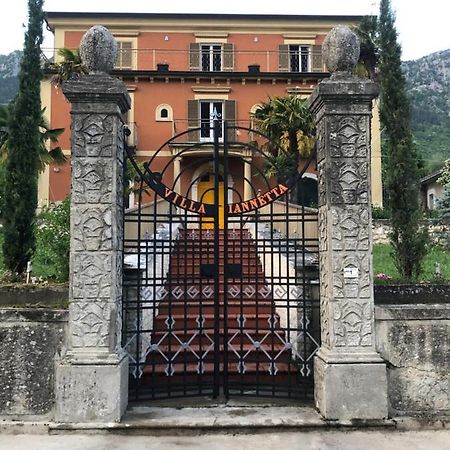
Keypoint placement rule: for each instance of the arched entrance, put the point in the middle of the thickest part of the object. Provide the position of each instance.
(221, 279)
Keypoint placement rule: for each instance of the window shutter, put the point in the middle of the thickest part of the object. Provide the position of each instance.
(283, 58)
(194, 56)
(230, 117)
(317, 63)
(228, 58)
(193, 120)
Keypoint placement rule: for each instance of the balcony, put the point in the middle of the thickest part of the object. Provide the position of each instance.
(198, 142)
(286, 59)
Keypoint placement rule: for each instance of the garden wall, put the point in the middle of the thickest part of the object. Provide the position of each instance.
(413, 338)
(29, 340)
(382, 227)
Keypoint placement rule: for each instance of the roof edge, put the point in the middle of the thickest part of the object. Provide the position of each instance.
(189, 16)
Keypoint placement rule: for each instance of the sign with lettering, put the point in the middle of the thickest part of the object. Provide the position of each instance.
(208, 210)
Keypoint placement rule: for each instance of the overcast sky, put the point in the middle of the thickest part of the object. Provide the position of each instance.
(422, 25)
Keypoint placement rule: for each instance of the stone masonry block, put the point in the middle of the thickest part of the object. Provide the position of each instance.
(350, 390)
(91, 393)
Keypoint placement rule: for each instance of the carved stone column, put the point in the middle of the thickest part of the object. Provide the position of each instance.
(349, 375)
(92, 377)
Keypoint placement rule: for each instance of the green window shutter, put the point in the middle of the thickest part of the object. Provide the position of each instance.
(230, 117)
(283, 58)
(194, 56)
(228, 58)
(193, 120)
(316, 58)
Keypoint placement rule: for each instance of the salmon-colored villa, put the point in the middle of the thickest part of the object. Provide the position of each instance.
(180, 68)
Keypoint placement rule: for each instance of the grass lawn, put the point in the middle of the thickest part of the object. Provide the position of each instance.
(383, 263)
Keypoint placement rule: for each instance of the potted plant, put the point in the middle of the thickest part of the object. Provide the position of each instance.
(253, 68)
(162, 67)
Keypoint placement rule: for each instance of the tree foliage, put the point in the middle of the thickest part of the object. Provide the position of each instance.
(402, 173)
(47, 136)
(52, 231)
(289, 124)
(22, 165)
(69, 68)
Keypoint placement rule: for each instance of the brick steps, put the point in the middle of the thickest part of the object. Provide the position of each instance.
(184, 326)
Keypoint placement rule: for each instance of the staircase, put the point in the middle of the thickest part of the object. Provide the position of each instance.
(250, 341)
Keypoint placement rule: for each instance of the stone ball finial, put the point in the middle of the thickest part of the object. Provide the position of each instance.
(98, 50)
(340, 49)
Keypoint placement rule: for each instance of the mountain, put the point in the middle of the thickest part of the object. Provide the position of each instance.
(428, 81)
(9, 70)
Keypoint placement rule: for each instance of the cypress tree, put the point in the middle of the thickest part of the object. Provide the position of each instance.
(402, 174)
(21, 171)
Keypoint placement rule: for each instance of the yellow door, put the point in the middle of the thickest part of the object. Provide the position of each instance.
(206, 195)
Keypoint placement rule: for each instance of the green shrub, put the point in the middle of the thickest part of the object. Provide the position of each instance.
(52, 231)
(380, 213)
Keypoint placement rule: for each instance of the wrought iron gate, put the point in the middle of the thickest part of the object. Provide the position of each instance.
(221, 276)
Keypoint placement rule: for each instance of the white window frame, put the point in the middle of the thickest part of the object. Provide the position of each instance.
(133, 42)
(158, 110)
(202, 120)
(208, 48)
(301, 49)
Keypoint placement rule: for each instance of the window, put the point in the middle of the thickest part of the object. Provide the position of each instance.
(211, 57)
(208, 112)
(201, 115)
(124, 55)
(164, 113)
(299, 58)
(431, 204)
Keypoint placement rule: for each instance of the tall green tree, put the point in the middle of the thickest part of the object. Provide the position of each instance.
(47, 135)
(21, 171)
(289, 124)
(402, 173)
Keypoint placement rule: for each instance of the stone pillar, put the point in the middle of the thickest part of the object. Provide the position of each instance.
(92, 377)
(349, 375)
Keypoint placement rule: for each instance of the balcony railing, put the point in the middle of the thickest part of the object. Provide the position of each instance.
(193, 134)
(300, 61)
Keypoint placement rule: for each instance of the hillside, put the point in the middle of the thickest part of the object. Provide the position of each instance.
(428, 80)
(9, 69)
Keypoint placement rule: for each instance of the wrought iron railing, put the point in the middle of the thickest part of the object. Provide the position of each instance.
(306, 60)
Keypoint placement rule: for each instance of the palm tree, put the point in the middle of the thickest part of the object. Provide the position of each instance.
(69, 68)
(367, 31)
(289, 124)
(47, 135)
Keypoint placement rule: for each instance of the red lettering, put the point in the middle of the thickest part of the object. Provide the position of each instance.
(201, 209)
(282, 188)
(167, 192)
(245, 206)
(261, 201)
(237, 209)
(254, 203)
(183, 203)
(192, 206)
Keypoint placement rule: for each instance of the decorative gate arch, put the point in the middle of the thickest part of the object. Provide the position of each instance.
(221, 279)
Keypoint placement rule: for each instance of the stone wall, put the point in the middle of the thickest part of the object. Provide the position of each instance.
(414, 339)
(382, 227)
(29, 340)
